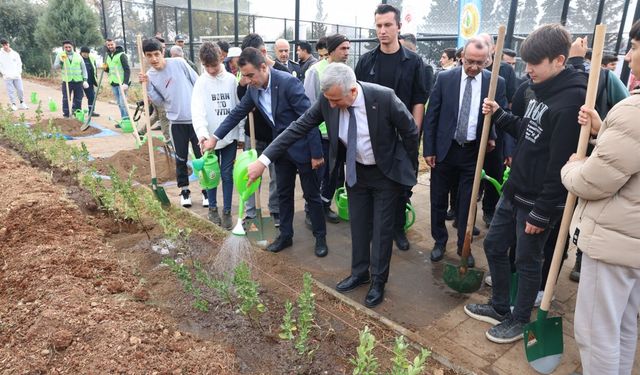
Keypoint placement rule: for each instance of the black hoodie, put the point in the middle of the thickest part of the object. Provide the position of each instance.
(547, 135)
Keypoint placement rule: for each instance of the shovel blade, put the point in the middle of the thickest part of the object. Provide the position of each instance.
(159, 192)
(462, 279)
(260, 230)
(543, 343)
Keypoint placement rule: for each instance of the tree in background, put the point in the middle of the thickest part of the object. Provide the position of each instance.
(318, 28)
(19, 19)
(68, 19)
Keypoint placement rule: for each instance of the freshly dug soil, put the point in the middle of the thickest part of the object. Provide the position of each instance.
(67, 126)
(123, 161)
(80, 292)
(68, 304)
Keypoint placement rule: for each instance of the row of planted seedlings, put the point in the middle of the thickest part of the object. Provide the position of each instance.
(126, 202)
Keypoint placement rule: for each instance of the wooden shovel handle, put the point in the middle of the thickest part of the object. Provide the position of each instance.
(583, 142)
(486, 127)
(145, 98)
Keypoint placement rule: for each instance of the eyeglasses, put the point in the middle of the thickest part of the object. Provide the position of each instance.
(479, 64)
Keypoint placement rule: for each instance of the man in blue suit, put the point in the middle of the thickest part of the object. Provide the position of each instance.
(280, 98)
(452, 132)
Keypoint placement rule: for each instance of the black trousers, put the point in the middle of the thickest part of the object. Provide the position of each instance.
(372, 204)
(182, 135)
(90, 93)
(286, 170)
(459, 163)
(75, 89)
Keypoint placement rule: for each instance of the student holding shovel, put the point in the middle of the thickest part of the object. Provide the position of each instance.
(533, 197)
(170, 84)
(74, 77)
(605, 227)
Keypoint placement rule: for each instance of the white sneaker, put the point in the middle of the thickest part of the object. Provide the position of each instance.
(205, 199)
(488, 281)
(23, 105)
(538, 301)
(13, 107)
(185, 198)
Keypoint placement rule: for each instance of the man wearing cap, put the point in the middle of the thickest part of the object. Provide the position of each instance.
(281, 49)
(74, 77)
(338, 49)
(92, 80)
(11, 70)
(231, 62)
(117, 66)
(394, 66)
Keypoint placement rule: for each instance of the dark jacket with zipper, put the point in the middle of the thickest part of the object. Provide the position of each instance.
(547, 135)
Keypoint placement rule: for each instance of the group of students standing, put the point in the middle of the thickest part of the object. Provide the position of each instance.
(312, 119)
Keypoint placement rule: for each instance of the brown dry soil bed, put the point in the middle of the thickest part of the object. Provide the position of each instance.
(81, 293)
(67, 126)
(124, 161)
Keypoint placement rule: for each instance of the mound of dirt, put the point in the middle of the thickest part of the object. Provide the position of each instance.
(67, 302)
(67, 126)
(124, 161)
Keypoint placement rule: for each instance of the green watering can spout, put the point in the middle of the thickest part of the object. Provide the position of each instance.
(208, 170)
(240, 180)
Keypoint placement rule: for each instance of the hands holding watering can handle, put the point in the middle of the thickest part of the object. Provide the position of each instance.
(255, 171)
(207, 144)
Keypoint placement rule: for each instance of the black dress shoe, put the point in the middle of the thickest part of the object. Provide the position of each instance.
(476, 231)
(280, 244)
(437, 253)
(471, 261)
(330, 215)
(401, 241)
(95, 114)
(375, 295)
(351, 282)
(451, 214)
(321, 249)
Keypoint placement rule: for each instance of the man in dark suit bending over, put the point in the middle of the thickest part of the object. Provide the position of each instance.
(280, 98)
(369, 128)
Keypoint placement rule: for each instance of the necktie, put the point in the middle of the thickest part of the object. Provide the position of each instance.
(463, 116)
(352, 140)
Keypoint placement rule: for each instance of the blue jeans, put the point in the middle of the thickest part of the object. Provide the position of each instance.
(120, 101)
(508, 225)
(226, 158)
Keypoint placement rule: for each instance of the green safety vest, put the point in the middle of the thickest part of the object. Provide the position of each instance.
(115, 64)
(73, 68)
(320, 67)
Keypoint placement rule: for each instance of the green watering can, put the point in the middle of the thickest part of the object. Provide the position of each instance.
(342, 203)
(240, 179)
(494, 182)
(125, 125)
(52, 105)
(34, 97)
(80, 114)
(208, 170)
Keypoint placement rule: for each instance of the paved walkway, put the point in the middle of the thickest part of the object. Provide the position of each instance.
(416, 297)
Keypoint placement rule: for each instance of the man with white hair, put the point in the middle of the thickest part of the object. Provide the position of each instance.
(177, 52)
(379, 166)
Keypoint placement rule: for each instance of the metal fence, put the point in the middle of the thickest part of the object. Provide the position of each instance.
(232, 19)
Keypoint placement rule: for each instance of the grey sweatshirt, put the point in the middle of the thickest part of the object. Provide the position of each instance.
(171, 88)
